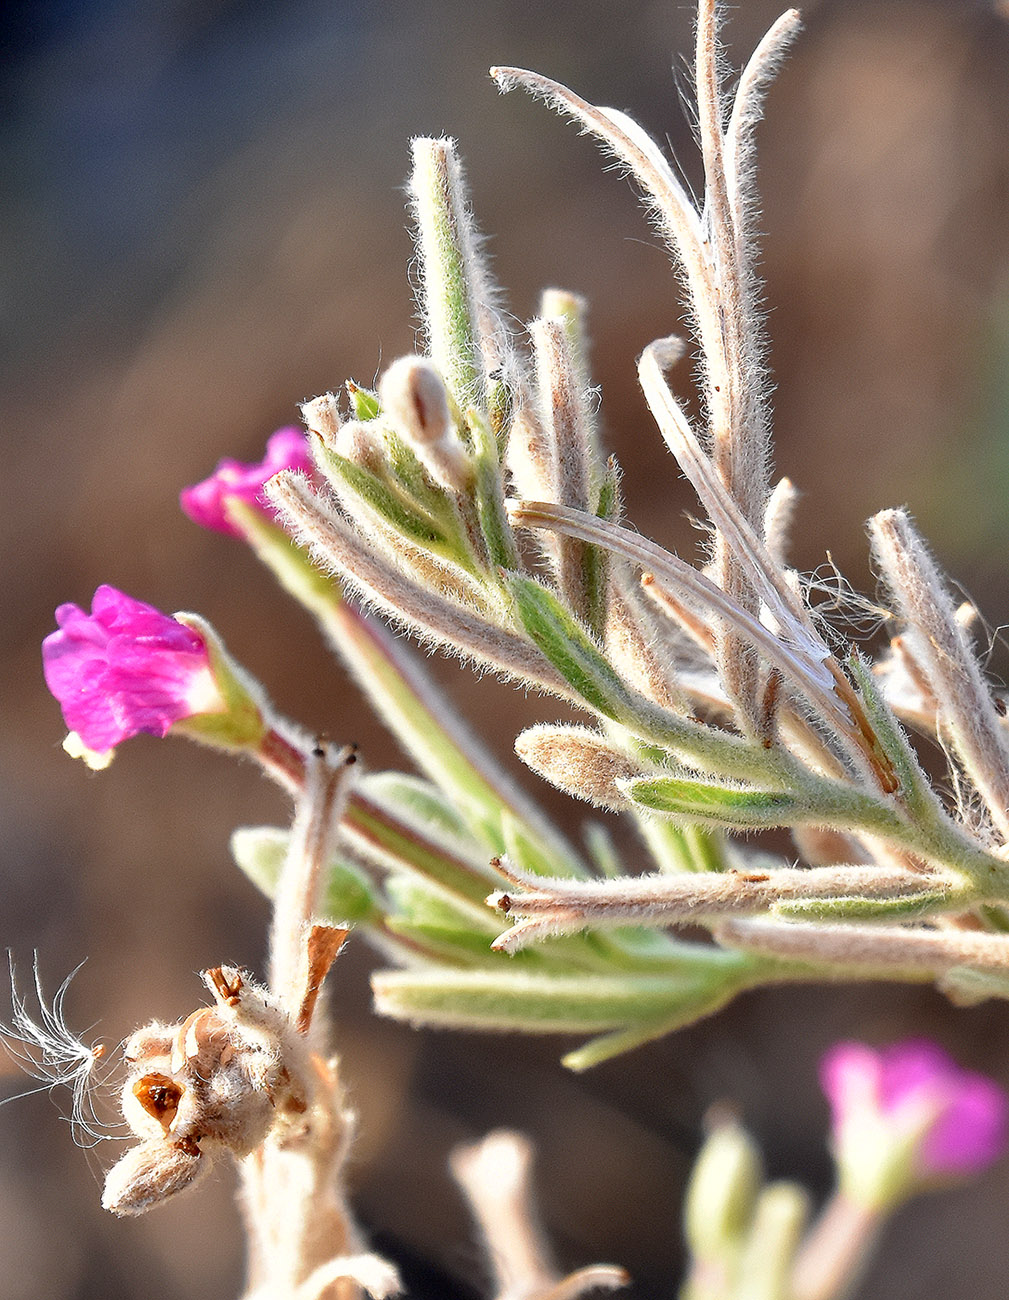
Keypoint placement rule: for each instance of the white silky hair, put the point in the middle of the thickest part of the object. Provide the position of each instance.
(48, 1050)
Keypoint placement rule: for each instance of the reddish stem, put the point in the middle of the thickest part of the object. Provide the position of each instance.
(282, 760)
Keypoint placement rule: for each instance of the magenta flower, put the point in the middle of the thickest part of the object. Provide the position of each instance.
(126, 668)
(206, 503)
(908, 1116)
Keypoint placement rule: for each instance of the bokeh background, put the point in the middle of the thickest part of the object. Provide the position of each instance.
(203, 225)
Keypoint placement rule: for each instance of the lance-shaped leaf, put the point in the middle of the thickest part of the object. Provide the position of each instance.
(555, 907)
(577, 658)
(712, 804)
(536, 1003)
(488, 490)
(570, 649)
(915, 790)
(420, 715)
(866, 909)
(541, 857)
(939, 646)
(563, 417)
(394, 508)
(464, 330)
(414, 708)
(421, 800)
(383, 582)
(704, 1000)
(455, 292)
(415, 901)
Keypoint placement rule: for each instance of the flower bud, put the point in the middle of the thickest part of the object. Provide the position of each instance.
(414, 398)
(322, 416)
(149, 1173)
(722, 1193)
(578, 761)
(360, 441)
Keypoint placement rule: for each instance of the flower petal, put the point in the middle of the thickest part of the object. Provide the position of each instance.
(206, 502)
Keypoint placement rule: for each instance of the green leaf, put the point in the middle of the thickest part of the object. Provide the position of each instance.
(488, 490)
(678, 848)
(894, 743)
(417, 902)
(459, 948)
(529, 853)
(617, 1043)
(402, 515)
(348, 896)
(535, 1003)
(569, 648)
(425, 723)
(448, 268)
(597, 561)
(864, 909)
(602, 850)
(575, 655)
(715, 805)
(500, 407)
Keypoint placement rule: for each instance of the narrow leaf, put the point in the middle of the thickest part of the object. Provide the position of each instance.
(865, 909)
(569, 648)
(536, 1003)
(715, 805)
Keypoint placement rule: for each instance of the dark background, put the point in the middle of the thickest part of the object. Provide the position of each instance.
(203, 226)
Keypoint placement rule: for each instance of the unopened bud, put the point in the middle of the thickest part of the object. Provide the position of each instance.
(414, 396)
(668, 351)
(562, 302)
(722, 1192)
(322, 416)
(578, 761)
(361, 442)
(415, 400)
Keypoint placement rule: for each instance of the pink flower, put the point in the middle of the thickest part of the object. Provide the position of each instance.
(126, 668)
(206, 503)
(908, 1116)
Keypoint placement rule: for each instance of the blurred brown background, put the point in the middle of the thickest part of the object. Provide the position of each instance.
(203, 226)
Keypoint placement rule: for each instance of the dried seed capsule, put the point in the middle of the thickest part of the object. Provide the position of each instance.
(150, 1173)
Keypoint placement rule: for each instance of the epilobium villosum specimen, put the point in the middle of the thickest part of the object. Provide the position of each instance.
(469, 503)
